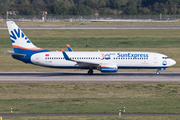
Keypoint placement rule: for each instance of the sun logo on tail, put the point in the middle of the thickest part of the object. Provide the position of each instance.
(18, 34)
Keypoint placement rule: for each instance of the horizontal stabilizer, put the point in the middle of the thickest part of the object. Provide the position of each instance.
(15, 54)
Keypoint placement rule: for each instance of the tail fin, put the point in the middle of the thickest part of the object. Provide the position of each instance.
(20, 43)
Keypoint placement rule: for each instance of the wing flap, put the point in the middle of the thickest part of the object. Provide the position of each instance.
(86, 63)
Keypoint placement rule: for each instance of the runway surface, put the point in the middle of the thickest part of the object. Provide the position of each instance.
(97, 28)
(89, 114)
(97, 76)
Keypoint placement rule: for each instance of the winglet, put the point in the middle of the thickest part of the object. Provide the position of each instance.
(69, 48)
(65, 55)
(62, 50)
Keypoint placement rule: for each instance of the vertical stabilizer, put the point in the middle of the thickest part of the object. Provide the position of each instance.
(19, 40)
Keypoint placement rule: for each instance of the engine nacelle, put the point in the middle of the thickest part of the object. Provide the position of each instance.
(109, 68)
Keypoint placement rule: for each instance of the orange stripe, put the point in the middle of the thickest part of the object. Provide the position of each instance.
(35, 48)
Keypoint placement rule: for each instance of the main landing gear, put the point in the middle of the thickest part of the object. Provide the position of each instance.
(90, 72)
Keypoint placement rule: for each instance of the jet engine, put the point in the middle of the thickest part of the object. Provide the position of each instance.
(109, 68)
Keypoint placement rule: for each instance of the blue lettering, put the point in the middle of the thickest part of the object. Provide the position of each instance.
(135, 55)
(132, 55)
(129, 54)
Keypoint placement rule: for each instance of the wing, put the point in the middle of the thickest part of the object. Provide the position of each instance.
(81, 62)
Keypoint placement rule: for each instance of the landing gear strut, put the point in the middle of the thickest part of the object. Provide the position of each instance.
(90, 72)
(157, 72)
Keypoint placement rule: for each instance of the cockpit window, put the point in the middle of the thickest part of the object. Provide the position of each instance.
(165, 57)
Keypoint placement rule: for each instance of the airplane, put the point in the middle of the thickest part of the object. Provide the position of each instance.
(104, 61)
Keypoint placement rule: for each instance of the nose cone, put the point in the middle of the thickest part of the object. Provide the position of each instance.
(173, 62)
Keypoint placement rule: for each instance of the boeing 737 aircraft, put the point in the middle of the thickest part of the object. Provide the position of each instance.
(104, 61)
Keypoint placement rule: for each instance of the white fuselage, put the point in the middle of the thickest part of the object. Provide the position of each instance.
(137, 60)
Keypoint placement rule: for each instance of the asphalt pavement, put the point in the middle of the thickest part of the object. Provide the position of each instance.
(97, 76)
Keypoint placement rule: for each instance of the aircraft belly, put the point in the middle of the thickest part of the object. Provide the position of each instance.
(139, 63)
(131, 63)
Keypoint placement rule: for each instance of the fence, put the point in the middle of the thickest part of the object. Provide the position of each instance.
(89, 17)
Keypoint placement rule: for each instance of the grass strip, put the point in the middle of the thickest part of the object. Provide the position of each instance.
(94, 118)
(89, 97)
(61, 23)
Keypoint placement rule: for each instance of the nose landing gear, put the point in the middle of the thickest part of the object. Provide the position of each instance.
(159, 70)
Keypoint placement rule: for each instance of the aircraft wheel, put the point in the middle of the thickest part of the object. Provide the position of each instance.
(157, 73)
(90, 72)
